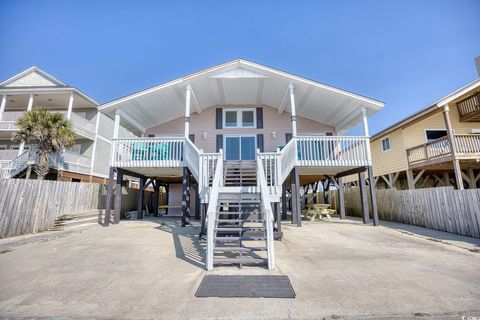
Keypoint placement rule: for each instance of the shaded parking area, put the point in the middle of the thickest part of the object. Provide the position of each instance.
(152, 268)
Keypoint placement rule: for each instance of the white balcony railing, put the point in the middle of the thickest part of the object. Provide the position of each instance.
(304, 151)
(80, 125)
(148, 152)
(8, 155)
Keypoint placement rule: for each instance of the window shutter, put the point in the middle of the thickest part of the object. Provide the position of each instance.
(260, 118)
(192, 138)
(218, 117)
(260, 142)
(288, 137)
(219, 141)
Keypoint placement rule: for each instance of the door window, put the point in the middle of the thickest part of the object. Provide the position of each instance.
(239, 148)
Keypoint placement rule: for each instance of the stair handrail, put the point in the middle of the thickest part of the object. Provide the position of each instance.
(212, 210)
(192, 158)
(268, 213)
(287, 159)
(11, 168)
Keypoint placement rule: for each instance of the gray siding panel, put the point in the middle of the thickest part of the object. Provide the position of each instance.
(102, 157)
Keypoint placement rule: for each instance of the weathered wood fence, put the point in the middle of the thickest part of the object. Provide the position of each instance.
(30, 206)
(444, 209)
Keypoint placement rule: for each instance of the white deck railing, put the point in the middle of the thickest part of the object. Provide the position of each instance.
(303, 151)
(212, 211)
(270, 162)
(148, 152)
(336, 151)
(267, 212)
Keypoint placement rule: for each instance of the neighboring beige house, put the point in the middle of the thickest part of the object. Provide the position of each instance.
(437, 146)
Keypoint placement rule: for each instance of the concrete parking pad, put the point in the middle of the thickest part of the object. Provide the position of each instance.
(151, 269)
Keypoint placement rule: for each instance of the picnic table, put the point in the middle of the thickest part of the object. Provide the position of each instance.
(317, 210)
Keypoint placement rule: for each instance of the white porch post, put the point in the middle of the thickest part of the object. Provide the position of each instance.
(70, 106)
(30, 103)
(366, 133)
(29, 108)
(187, 110)
(2, 106)
(294, 113)
(116, 126)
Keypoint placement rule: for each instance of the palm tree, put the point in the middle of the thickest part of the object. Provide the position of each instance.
(50, 132)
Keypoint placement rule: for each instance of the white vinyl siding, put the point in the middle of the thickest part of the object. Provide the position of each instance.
(102, 157)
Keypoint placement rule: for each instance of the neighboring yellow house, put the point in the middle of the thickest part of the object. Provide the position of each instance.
(418, 151)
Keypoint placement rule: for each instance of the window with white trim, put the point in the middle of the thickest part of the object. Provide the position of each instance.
(239, 118)
(386, 144)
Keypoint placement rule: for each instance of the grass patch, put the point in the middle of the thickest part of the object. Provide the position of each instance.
(2, 251)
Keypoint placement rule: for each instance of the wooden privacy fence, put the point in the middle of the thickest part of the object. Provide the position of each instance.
(30, 206)
(444, 209)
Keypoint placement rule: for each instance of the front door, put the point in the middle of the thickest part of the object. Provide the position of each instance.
(240, 147)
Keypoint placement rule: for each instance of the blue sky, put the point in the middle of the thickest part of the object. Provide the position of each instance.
(405, 53)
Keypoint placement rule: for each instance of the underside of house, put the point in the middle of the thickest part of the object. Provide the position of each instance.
(236, 138)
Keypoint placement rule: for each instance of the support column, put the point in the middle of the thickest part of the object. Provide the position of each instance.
(410, 179)
(294, 113)
(278, 215)
(341, 197)
(118, 197)
(70, 106)
(373, 196)
(29, 108)
(108, 204)
(30, 103)
(116, 126)
(186, 197)
(284, 201)
(366, 133)
(296, 210)
(2, 106)
(141, 187)
(167, 191)
(156, 196)
(187, 110)
(197, 201)
(363, 196)
(203, 213)
(453, 148)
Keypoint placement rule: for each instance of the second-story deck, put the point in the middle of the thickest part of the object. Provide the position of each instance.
(469, 108)
(467, 147)
(83, 127)
(312, 155)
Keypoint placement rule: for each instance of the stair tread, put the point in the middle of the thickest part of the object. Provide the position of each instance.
(243, 249)
(238, 260)
(239, 238)
(239, 220)
(239, 229)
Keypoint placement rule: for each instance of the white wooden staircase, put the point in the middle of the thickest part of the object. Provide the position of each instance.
(239, 217)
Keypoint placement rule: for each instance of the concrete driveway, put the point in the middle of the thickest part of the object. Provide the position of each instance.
(151, 269)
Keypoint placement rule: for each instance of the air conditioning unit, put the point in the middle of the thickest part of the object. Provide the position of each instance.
(476, 131)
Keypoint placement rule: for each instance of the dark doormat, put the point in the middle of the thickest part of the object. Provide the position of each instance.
(245, 287)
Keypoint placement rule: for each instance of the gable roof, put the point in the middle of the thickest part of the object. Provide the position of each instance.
(429, 109)
(32, 77)
(242, 82)
(35, 81)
